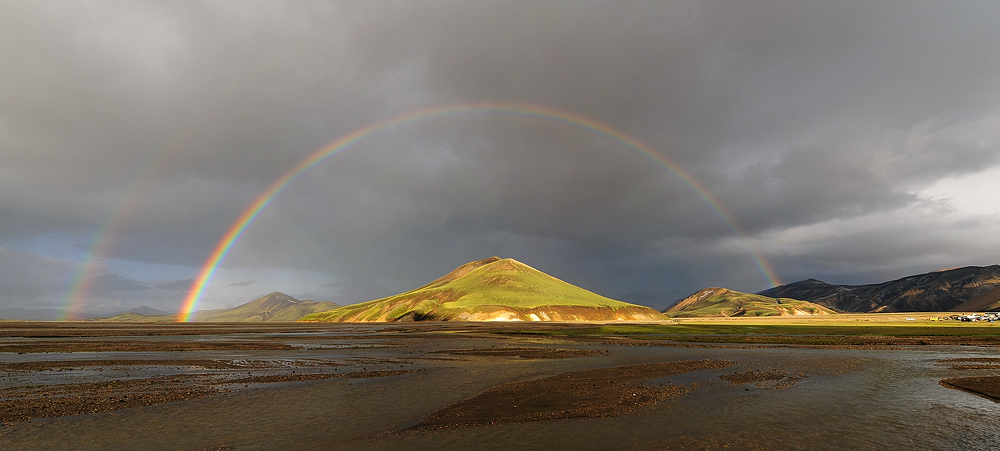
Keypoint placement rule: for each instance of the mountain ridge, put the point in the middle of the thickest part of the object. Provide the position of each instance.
(275, 306)
(935, 291)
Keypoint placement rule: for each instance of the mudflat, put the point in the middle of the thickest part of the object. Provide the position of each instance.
(596, 393)
(418, 385)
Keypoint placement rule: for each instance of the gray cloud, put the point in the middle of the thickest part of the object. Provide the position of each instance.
(160, 122)
(183, 284)
(112, 282)
(29, 279)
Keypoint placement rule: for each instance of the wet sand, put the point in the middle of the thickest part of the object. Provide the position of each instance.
(986, 386)
(397, 386)
(75, 399)
(771, 379)
(973, 363)
(525, 353)
(56, 329)
(142, 346)
(873, 342)
(597, 393)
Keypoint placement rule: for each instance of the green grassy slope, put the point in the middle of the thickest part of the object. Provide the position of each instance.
(492, 289)
(273, 307)
(139, 318)
(723, 302)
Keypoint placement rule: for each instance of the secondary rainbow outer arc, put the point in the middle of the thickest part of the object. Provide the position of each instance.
(521, 110)
(79, 281)
(82, 280)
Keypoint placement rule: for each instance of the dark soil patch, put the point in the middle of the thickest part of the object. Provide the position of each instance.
(994, 360)
(526, 353)
(974, 366)
(771, 379)
(315, 376)
(142, 346)
(597, 393)
(23, 404)
(78, 364)
(757, 342)
(60, 365)
(985, 386)
(54, 329)
(973, 363)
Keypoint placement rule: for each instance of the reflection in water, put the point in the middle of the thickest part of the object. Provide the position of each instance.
(848, 399)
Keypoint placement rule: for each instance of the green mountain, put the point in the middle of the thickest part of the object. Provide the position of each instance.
(723, 302)
(273, 307)
(493, 289)
(936, 291)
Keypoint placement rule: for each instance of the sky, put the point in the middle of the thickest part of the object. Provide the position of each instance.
(850, 141)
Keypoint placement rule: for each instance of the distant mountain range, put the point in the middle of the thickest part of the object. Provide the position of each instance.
(53, 314)
(971, 288)
(272, 307)
(147, 311)
(724, 302)
(492, 289)
(505, 289)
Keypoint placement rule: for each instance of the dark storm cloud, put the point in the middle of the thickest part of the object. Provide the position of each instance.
(161, 121)
(819, 92)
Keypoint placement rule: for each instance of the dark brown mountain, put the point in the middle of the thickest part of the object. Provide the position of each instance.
(985, 302)
(936, 291)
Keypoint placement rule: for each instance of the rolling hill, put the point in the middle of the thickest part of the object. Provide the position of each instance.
(936, 291)
(133, 317)
(273, 307)
(139, 314)
(493, 289)
(724, 302)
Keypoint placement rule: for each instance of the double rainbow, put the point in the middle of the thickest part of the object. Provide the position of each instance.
(541, 113)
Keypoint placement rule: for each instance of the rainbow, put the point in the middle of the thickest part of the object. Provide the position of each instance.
(547, 114)
(134, 196)
(82, 280)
